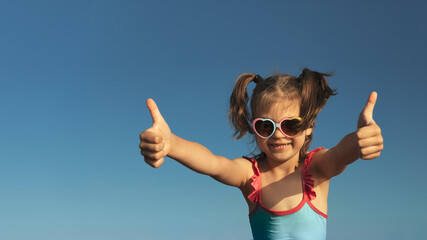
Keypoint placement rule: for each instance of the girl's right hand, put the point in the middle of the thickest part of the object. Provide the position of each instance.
(156, 142)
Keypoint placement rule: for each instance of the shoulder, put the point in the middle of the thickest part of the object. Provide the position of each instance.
(319, 153)
(250, 164)
(250, 167)
(245, 161)
(315, 155)
(235, 172)
(314, 160)
(247, 165)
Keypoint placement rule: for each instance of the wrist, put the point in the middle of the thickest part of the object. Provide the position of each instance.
(173, 140)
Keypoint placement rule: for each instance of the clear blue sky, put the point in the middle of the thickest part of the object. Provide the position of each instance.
(74, 77)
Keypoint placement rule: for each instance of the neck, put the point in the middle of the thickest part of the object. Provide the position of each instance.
(282, 168)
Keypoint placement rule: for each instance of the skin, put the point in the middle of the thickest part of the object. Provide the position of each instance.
(280, 173)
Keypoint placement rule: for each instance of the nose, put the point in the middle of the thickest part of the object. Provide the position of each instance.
(277, 133)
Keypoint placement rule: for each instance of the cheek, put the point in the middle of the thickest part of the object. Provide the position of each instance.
(262, 143)
(299, 141)
(258, 141)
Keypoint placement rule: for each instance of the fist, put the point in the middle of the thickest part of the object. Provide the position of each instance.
(368, 133)
(156, 142)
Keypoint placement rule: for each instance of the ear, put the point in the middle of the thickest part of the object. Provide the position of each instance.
(308, 131)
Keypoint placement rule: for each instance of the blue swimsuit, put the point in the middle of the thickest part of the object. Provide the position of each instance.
(304, 222)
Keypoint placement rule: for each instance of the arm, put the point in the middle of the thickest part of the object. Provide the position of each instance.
(158, 142)
(199, 159)
(366, 143)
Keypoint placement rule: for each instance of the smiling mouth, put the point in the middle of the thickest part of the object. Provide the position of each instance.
(279, 146)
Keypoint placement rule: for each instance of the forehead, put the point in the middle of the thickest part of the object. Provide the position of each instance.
(280, 109)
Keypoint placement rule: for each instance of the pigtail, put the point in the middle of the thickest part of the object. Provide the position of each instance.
(315, 92)
(238, 114)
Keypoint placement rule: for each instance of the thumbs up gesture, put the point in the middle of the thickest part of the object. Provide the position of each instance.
(369, 136)
(156, 142)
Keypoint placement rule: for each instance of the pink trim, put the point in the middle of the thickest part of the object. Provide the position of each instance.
(317, 210)
(255, 197)
(307, 178)
(286, 212)
(290, 211)
(307, 182)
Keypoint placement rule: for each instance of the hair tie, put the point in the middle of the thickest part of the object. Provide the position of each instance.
(258, 79)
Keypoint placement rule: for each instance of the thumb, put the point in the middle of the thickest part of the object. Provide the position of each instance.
(366, 116)
(154, 111)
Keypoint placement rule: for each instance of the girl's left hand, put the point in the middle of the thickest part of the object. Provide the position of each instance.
(368, 133)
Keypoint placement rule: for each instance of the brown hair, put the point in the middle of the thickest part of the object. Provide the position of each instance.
(311, 89)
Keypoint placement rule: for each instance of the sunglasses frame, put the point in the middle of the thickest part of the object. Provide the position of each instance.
(276, 126)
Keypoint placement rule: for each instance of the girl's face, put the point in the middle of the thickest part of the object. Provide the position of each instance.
(278, 147)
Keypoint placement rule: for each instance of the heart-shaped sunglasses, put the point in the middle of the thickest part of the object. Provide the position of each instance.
(265, 127)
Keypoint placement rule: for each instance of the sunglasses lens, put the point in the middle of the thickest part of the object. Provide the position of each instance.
(291, 127)
(264, 128)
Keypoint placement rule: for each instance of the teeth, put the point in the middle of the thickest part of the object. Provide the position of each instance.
(280, 145)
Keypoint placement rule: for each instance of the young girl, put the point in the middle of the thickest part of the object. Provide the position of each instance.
(285, 186)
